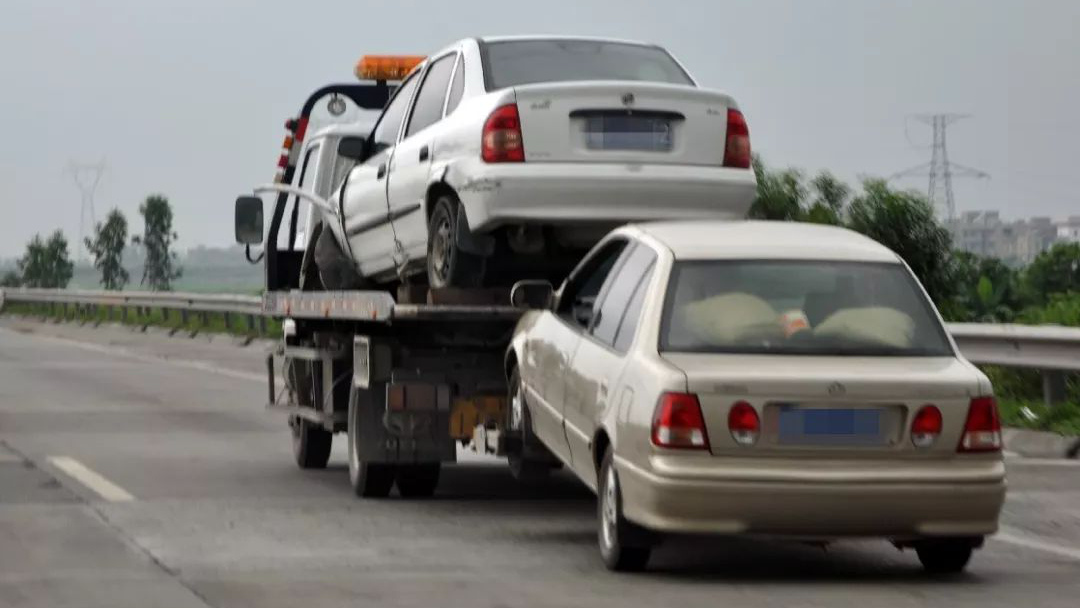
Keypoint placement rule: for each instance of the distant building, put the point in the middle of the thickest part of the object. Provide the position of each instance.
(1017, 242)
(1069, 230)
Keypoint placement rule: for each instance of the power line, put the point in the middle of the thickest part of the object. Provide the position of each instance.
(940, 169)
(87, 177)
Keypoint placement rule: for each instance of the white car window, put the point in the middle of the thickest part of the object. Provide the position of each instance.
(386, 132)
(799, 308)
(512, 63)
(429, 101)
(618, 295)
(457, 86)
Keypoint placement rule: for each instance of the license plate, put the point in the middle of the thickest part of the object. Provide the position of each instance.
(830, 426)
(639, 133)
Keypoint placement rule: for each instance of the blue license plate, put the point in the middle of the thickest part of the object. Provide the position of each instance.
(636, 133)
(830, 426)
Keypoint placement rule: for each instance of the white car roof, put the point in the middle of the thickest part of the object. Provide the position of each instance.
(562, 37)
(717, 239)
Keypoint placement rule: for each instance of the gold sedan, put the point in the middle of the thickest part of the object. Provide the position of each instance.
(757, 378)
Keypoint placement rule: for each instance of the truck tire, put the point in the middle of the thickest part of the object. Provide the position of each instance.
(524, 466)
(368, 479)
(311, 443)
(418, 480)
(447, 264)
(624, 546)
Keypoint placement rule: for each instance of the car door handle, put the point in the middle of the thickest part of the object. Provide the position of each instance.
(425, 152)
(381, 171)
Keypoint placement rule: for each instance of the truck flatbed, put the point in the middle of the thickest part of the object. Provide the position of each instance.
(375, 306)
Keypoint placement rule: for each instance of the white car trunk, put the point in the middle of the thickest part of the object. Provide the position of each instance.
(622, 122)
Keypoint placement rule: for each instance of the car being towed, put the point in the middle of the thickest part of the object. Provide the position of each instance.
(758, 378)
(503, 158)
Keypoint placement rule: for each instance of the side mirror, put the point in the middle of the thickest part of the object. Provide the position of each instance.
(353, 147)
(249, 220)
(532, 294)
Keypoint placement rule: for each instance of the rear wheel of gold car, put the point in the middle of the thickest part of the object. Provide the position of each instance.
(944, 556)
(623, 545)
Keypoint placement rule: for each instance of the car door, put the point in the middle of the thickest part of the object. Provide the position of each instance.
(553, 340)
(365, 217)
(411, 162)
(593, 384)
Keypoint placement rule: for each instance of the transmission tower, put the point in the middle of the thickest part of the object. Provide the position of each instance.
(940, 169)
(87, 177)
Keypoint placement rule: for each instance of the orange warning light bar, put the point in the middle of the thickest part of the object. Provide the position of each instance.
(386, 67)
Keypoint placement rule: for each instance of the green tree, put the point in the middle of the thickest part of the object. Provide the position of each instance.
(1056, 270)
(987, 290)
(11, 279)
(46, 263)
(160, 268)
(904, 222)
(830, 197)
(107, 247)
(780, 194)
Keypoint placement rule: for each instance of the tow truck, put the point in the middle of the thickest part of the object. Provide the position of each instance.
(406, 376)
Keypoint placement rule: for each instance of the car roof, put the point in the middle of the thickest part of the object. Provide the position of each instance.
(754, 239)
(487, 39)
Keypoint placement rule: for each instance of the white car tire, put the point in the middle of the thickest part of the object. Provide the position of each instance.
(623, 545)
(447, 264)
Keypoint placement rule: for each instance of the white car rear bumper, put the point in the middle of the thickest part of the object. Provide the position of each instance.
(557, 193)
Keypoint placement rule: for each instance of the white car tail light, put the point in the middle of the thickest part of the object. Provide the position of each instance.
(926, 426)
(502, 141)
(678, 423)
(982, 431)
(737, 146)
(744, 423)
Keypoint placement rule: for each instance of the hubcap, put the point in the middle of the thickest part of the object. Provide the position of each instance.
(608, 511)
(440, 248)
(515, 410)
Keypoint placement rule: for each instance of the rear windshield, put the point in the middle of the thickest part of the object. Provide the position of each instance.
(799, 308)
(516, 62)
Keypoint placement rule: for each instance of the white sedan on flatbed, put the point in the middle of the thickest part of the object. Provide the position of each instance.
(757, 378)
(499, 158)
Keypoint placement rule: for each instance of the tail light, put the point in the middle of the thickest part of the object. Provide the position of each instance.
(743, 422)
(982, 431)
(502, 141)
(926, 426)
(737, 146)
(678, 423)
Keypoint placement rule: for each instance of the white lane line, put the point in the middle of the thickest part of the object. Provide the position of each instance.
(1022, 539)
(91, 479)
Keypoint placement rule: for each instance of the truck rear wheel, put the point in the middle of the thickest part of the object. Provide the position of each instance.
(368, 479)
(418, 480)
(311, 443)
(447, 264)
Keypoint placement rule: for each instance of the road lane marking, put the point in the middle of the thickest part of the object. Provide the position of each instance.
(91, 479)
(1022, 539)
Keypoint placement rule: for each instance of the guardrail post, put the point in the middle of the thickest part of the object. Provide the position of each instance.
(228, 326)
(1053, 386)
(250, 323)
(262, 326)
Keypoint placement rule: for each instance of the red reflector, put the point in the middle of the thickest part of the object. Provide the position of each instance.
(283, 161)
(501, 140)
(301, 129)
(737, 146)
(982, 431)
(678, 423)
(743, 422)
(926, 426)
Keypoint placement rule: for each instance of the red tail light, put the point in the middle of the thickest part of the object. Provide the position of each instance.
(742, 420)
(502, 141)
(737, 146)
(926, 426)
(982, 431)
(678, 423)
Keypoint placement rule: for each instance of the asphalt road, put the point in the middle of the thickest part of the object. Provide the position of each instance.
(142, 470)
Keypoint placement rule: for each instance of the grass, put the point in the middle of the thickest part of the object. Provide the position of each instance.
(1063, 418)
(174, 320)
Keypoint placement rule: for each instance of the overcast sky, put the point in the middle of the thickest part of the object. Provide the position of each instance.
(187, 98)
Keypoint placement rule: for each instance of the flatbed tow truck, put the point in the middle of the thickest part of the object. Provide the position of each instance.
(406, 376)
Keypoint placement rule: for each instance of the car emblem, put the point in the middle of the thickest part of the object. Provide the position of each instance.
(628, 99)
(837, 389)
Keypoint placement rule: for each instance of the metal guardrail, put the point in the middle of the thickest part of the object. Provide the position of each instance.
(1053, 350)
(197, 305)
